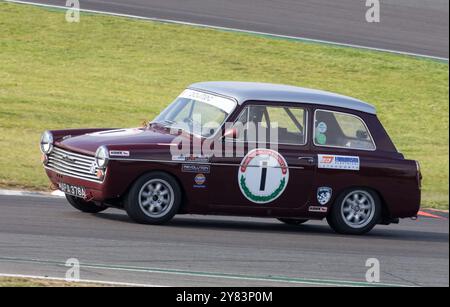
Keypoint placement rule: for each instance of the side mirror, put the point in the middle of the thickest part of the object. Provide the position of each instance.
(361, 134)
(231, 133)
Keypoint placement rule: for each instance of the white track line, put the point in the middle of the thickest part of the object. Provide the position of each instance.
(175, 272)
(58, 193)
(86, 281)
(31, 193)
(305, 39)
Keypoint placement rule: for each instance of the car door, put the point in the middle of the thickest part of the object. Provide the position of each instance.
(268, 164)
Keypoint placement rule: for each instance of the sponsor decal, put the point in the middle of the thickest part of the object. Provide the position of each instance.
(320, 136)
(119, 153)
(178, 158)
(195, 168)
(225, 104)
(318, 209)
(324, 195)
(322, 127)
(321, 139)
(339, 162)
(200, 180)
(263, 175)
(191, 158)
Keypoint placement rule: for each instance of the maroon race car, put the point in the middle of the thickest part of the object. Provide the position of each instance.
(248, 149)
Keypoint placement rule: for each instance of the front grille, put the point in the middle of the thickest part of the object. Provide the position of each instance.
(72, 164)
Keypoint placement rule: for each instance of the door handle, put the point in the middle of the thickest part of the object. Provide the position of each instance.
(307, 159)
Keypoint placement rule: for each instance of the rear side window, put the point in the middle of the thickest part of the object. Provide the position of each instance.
(335, 129)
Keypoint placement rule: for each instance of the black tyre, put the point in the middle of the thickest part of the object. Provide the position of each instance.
(355, 211)
(294, 222)
(85, 206)
(153, 199)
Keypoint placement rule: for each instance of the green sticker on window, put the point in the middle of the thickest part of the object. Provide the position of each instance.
(321, 138)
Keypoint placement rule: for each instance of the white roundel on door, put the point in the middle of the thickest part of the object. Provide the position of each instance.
(263, 175)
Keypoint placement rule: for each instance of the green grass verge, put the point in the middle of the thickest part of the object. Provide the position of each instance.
(107, 71)
(36, 282)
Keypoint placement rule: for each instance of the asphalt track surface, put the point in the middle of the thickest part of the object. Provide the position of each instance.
(413, 26)
(38, 235)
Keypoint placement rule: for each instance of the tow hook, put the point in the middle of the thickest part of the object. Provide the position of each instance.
(89, 197)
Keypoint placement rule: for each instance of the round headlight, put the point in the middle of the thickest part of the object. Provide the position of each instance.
(46, 142)
(101, 157)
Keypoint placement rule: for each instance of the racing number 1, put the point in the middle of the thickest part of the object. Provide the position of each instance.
(262, 184)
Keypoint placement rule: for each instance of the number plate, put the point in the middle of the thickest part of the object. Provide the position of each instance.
(72, 190)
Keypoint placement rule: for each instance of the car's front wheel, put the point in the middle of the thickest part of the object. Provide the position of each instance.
(85, 206)
(153, 199)
(294, 222)
(355, 211)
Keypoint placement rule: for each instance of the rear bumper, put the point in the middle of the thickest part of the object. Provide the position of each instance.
(405, 205)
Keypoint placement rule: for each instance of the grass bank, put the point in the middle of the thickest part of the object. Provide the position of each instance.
(107, 71)
(37, 282)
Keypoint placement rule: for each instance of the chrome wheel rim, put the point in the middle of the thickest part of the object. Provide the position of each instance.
(156, 198)
(358, 209)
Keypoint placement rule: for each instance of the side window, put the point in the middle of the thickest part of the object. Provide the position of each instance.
(279, 124)
(335, 129)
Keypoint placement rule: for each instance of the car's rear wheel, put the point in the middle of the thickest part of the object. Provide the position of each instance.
(85, 206)
(153, 199)
(294, 222)
(355, 211)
